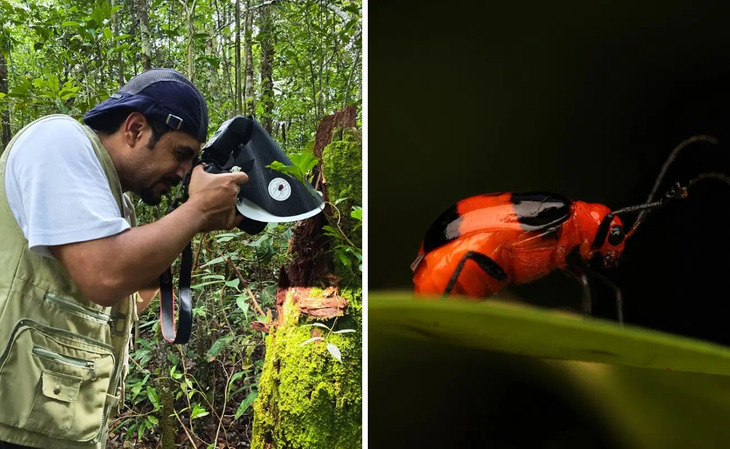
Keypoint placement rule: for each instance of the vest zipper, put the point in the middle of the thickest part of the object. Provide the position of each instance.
(51, 355)
(72, 306)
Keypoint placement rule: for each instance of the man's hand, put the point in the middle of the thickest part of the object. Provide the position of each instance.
(215, 196)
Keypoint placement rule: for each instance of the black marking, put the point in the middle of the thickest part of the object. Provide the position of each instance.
(574, 257)
(537, 211)
(602, 232)
(616, 235)
(440, 232)
(423, 332)
(602, 352)
(486, 263)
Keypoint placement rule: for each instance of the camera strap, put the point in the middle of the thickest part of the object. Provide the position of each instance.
(180, 335)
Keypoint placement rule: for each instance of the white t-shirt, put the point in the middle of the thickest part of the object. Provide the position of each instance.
(57, 189)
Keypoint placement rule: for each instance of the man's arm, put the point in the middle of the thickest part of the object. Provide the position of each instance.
(110, 268)
(146, 295)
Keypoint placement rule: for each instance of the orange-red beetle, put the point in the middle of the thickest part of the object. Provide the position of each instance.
(485, 242)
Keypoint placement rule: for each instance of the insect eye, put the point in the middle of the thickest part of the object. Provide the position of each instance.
(616, 235)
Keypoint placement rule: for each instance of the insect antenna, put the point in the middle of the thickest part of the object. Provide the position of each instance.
(660, 178)
(676, 192)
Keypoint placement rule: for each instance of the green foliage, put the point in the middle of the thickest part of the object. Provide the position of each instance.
(316, 67)
(215, 377)
(302, 165)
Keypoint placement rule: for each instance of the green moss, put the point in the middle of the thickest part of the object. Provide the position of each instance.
(307, 399)
(342, 166)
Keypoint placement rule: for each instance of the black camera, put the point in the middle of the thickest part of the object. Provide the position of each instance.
(242, 144)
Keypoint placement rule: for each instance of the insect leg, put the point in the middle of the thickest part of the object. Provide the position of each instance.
(578, 272)
(616, 291)
(486, 263)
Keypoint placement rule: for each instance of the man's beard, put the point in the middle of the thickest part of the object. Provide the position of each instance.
(149, 197)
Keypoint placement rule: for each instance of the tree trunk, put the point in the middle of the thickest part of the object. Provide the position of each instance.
(144, 33)
(250, 93)
(212, 72)
(310, 394)
(120, 59)
(267, 67)
(4, 109)
(239, 97)
(190, 14)
(223, 18)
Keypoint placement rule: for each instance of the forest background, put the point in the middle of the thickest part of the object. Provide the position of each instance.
(287, 63)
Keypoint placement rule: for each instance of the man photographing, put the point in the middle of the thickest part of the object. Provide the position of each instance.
(72, 257)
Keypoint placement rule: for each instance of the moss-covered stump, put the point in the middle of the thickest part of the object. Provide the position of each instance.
(307, 399)
(342, 166)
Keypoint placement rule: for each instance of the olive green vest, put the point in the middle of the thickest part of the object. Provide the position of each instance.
(63, 358)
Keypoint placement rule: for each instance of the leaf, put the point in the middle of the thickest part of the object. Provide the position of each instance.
(233, 283)
(198, 411)
(215, 261)
(218, 347)
(305, 161)
(335, 351)
(309, 340)
(292, 171)
(237, 375)
(322, 325)
(153, 397)
(174, 374)
(203, 284)
(344, 331)
(227, 237)
(643, 378)
(356, 213)
(207, 277)
(331, 232)
(342, 256)
(242, 303)
(246, 403)
(531, 331)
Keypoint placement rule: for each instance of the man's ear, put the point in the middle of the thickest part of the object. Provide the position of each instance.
(133, 128)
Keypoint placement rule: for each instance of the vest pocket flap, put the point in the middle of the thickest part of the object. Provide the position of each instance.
(62, 387)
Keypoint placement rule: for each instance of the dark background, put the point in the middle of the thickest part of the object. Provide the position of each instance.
(585, 99)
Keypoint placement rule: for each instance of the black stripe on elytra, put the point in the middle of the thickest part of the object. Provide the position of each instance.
(486, 263)
(440, 233)
(537, 211)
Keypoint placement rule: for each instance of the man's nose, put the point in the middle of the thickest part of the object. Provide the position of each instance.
(183, 169)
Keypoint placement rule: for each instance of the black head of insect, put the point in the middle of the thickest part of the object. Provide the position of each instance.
(614, 234)
(611, 233)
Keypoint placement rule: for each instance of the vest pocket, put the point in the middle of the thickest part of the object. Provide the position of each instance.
(55, 383)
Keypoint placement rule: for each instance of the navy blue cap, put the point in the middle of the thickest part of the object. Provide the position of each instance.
(162, 94)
